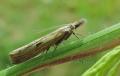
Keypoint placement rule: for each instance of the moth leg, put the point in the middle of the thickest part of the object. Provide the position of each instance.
(55, 47)
(47, 50)
(75, 35)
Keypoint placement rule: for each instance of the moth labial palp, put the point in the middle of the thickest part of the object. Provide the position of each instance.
(44, 43)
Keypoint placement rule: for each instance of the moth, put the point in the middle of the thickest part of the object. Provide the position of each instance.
(43, 44)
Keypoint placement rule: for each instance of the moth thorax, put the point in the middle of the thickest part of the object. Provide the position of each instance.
(72, 27)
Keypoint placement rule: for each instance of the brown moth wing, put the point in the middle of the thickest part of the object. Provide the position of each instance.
(19, 56)
(34, 48)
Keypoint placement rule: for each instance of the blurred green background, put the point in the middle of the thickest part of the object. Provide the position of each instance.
(22, 21)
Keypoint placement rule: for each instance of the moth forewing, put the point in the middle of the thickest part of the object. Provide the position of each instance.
(44, 43)
(32, 49)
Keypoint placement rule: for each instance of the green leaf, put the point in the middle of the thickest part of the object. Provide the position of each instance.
(107, 65)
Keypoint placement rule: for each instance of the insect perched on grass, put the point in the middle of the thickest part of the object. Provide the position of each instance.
(44, 43)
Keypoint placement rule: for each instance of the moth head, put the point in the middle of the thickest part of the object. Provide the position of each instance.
(77, 23)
